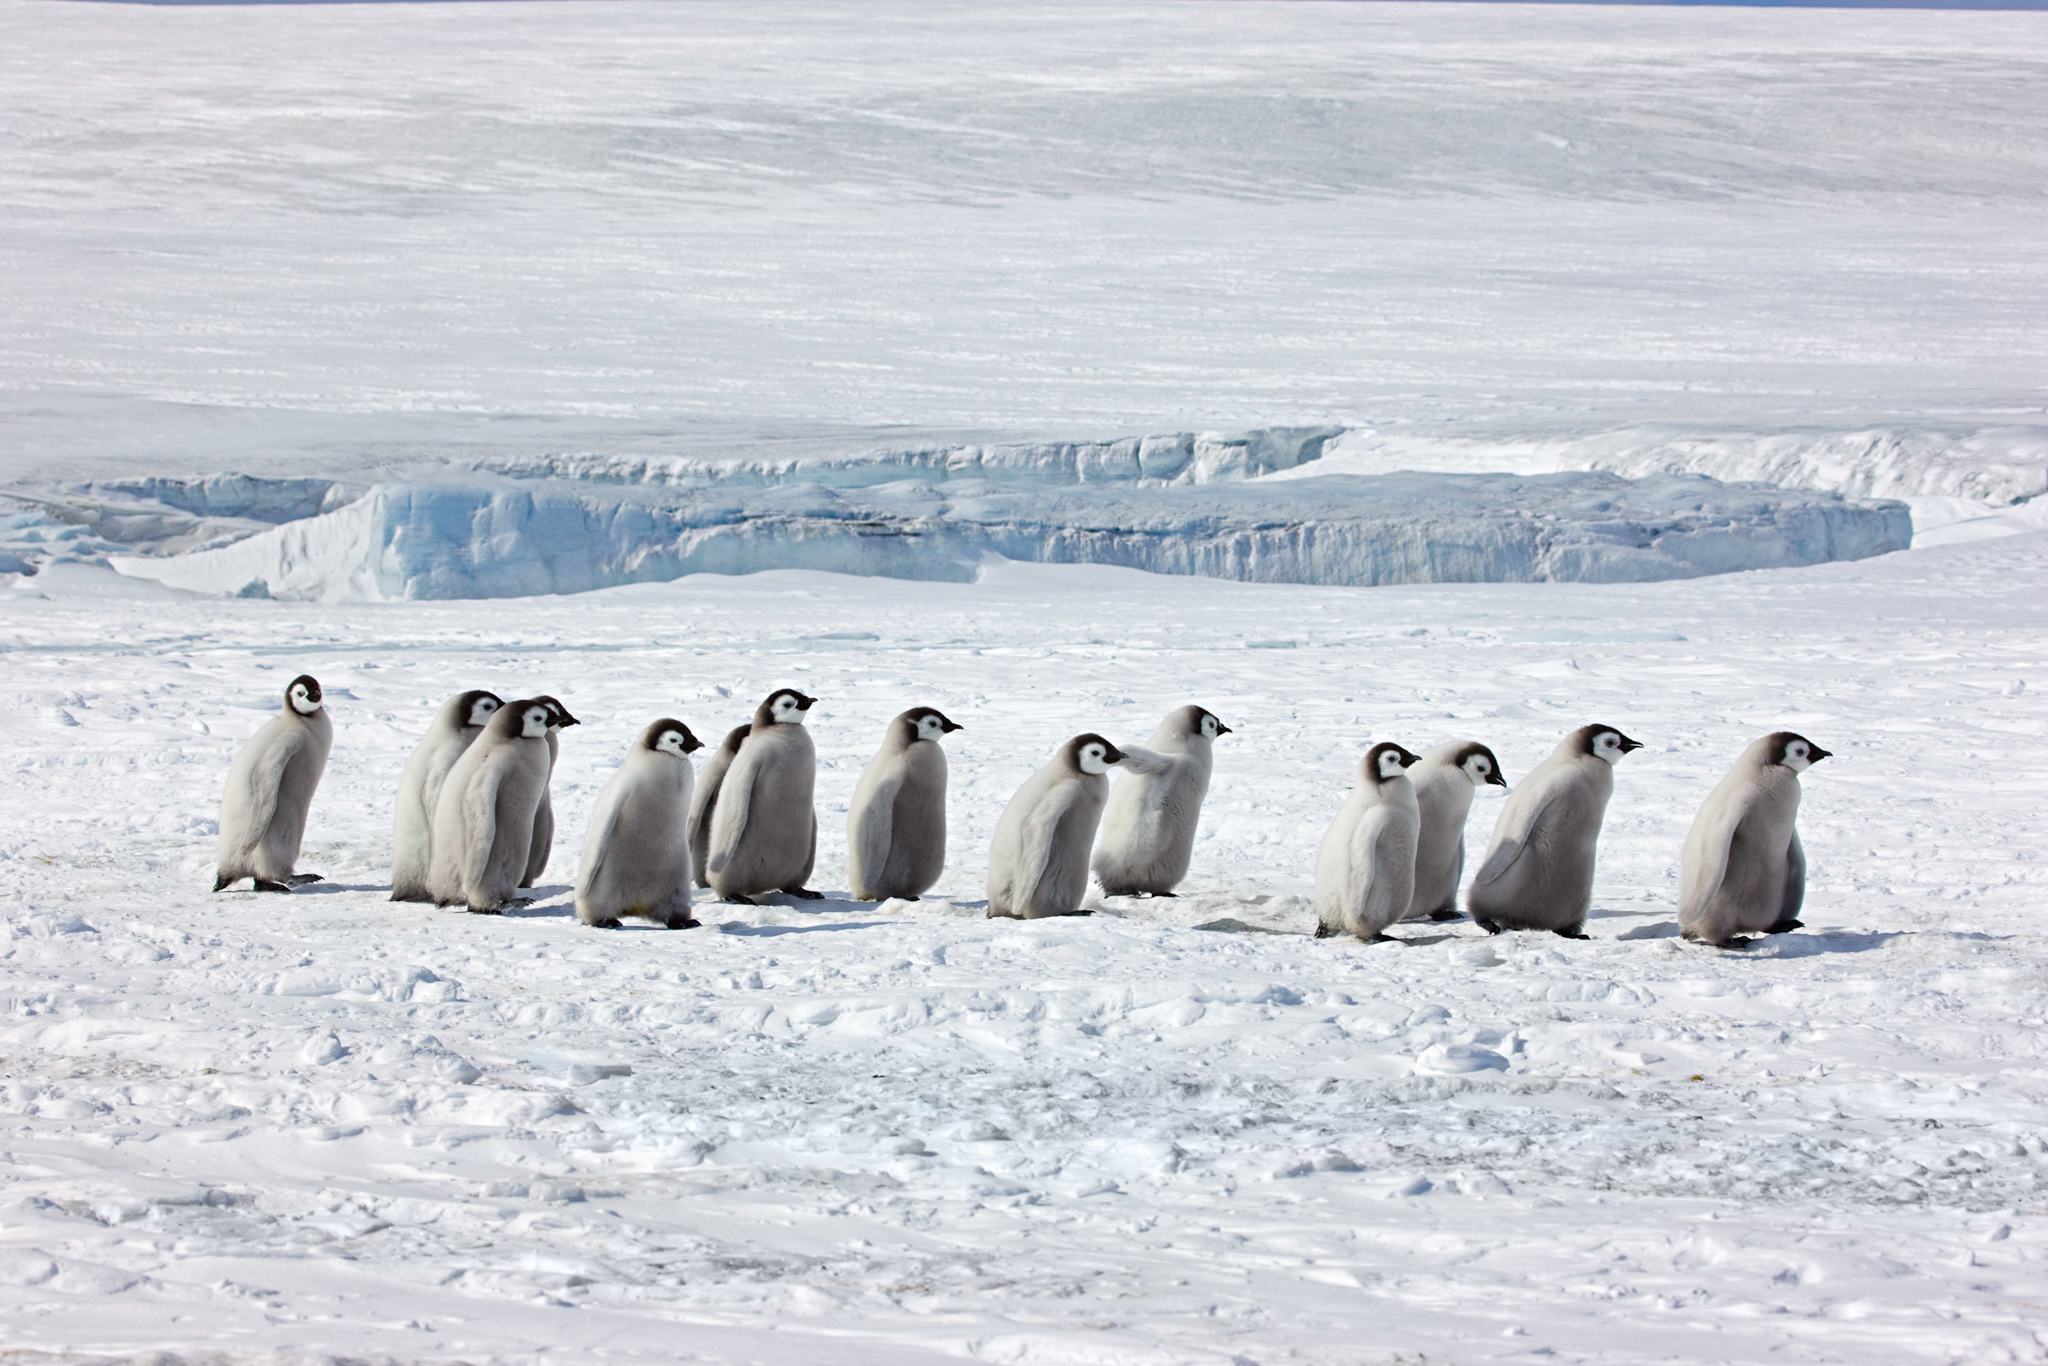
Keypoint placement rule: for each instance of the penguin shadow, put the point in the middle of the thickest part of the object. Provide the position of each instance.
(1814, 943)
(826, 913)
(544, 904)
(1416, 941)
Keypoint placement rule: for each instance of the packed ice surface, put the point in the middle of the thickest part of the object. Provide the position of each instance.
(831, 1132)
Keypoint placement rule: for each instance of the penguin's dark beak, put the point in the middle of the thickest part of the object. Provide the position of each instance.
(805, 703)
(1815, 754)
(1627, 744)
(1222, 729)
(566, 719)
(1113, 756)
(691, 744)
(1409, 760)
(948, 727)
(1497, 779)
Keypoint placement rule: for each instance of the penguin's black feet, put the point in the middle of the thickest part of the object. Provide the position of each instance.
(1571, 932)
(1785, 926)
(611, 924)
(682, 923)
(1324, 931)
(516, 902)
(739, 900)
(804, 892)
(487, 910)
(1174, 895)
(1737, 944)
(266, 885)
(912, 897)
(1078, 910)
(1380, 939)
(220, 884)
(304, 879)
(1445, 913)
(1486, 925)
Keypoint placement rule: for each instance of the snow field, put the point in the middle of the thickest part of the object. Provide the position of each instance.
(327, 1124)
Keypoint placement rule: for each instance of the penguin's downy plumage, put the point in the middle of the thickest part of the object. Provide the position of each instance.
(269, 790)
(1744, 868)
(1445, 779)
(764, 829)
(1538, 871)
(1148, 827)
(1365, 871)
(1038, 863)
(636, 854)
(704, 804)
(455, 727)
(544, 817)
(896, 824)
(483, 823)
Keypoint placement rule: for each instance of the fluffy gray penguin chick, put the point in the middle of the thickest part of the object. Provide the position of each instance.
(483, 824)
(1538, 872)
(764, 830)
(1445, 780)
(636, 853)
(269, 790)
(1744, 868)
(544, 818)
(1148, 828)
(455, 727)
(1365, 870)
(1038, 863)
(704, 804)
(896, 825)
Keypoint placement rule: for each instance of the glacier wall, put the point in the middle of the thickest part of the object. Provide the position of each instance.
(504, 537)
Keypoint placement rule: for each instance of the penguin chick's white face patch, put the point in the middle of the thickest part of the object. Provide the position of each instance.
(1612, 744)
(305, 697)
(1801, 754)
(789, 709)
(1211, 727)
(1390, 763)
(535, 724)
(930, 727)
(673, 742)
(1094, 759)
(1478, 770)
(480, 710)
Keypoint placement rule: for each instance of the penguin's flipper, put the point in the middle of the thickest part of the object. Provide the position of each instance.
(869, 832)
(1372, 911)
(1145, 761)
(1511, 836)
(729, 817)
(597, 840)
(1795, 887)
(266, 780)
(480, 833)
(1035, 847)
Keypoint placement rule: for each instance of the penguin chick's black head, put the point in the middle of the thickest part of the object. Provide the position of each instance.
(1386, 760)
(476, 706)
(785, 706)
(734, 738)
(1604, 742)
(1092, 754)
(1795, 751)
(1479, 762)
(925, 723)
(302, 694)
(558, 715)
(670, 736)
(525, 719)
(1202, 721)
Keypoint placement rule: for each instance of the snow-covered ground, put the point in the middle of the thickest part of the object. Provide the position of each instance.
(843, 1133)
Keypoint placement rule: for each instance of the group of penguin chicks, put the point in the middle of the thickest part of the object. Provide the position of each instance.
(474, 824)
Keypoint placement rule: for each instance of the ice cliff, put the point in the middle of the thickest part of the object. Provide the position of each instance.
(502, 537)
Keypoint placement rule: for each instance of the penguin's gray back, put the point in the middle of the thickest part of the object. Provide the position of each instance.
(1443, 802)
(269, 792)
(1149, 822)
(1743, 867)
(764, 830)
(1038, 862)
(1538, 870)
(636, 854)
(419, 791)
(896, 823)
(483, 823)
(704, 801)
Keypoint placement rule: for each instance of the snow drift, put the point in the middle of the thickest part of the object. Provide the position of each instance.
(506, 538)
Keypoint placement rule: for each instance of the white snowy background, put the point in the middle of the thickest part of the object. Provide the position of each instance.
(592, 246)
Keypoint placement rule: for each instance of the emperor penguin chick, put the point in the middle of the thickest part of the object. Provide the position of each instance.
(1538, 871)
(636, 856)
(483, 823)
(461, 719)
(764, 830)
(1038, 863)
(705, 802)
(1148, 828)
(1365, 872)
(1744, 868)
(896, 826)
(544, 818)
(270, 787)
(1445, 780)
